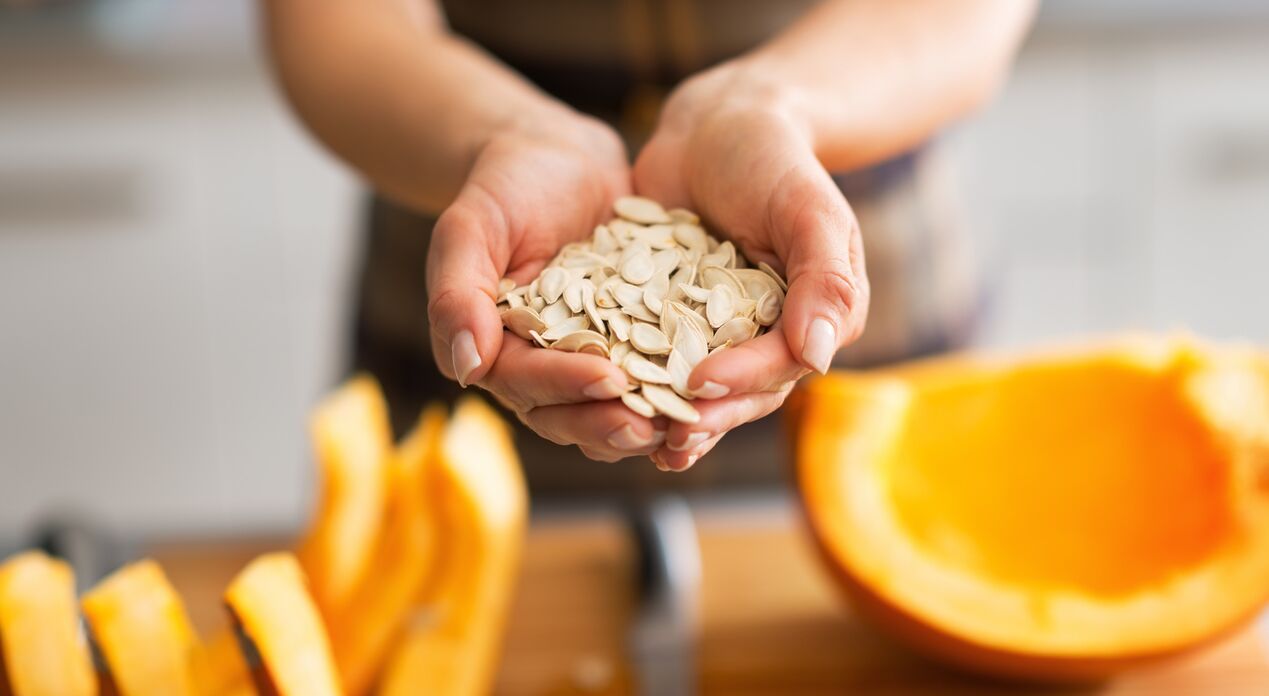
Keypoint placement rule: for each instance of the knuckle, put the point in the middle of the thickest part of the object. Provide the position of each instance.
(836, 282)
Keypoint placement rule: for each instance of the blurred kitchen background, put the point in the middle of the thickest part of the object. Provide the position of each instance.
(175, 254)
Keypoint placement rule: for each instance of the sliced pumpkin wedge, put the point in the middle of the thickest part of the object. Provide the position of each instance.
(41, 648)
(220, 668)
(271, 604)
(454, 644)
(364, 630)
(352, 439)
(1058, 517)
(141, 628)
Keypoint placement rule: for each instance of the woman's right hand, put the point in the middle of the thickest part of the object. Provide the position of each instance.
(534, 187)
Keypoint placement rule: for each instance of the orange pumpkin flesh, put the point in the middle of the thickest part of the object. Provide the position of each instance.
(454, 645)
(363, 632)
(42, 652)
(142, 630)
(1058, 518)
(353, 443)
(271, 603)
(220, 668)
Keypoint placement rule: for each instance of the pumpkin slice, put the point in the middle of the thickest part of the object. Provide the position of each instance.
(353, 443)
(271, 604)
(220, 668)
(454, 644)
(1058, 517)
(41, 651)
(143, 632)
(364, 631)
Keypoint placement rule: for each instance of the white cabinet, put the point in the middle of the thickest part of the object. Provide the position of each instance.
(1124, 176)
(173, 273)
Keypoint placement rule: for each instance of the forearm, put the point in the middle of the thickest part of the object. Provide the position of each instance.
(388, 89)
(869, 79)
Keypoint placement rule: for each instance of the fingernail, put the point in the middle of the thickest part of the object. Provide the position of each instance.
(466, 357)
(688, 464)
(820, 344)
(691, 441)
(655, 460)
(658, 437)
(712, 390)
(602, 389)
(625, 438)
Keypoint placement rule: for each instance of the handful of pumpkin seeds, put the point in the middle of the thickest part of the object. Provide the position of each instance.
(653, 292)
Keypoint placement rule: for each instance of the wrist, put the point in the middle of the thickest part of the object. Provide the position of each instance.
(746, 85)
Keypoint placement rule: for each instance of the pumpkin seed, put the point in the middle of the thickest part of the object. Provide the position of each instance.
(566, 327)
(765, 268)
(638, 268)
(618, 352)
(653, 292)
(721, 306)
(737, 330)
(690, 343)
(683, 215)
(652, 300)
(555, 313)
(670, 404)
(583, 342)
(649, 340)
(620, 323)
(554, 280)
(694, 293)
(641, 210)
(537, 338)
(679, 370)
(638, 404)
(769, 306)
(522, 320)
(644, 370)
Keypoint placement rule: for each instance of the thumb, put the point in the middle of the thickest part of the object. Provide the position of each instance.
(827, 302)
(463, 269)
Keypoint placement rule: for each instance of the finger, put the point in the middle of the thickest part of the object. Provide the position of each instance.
(761, 364)
(827, 300)
(669, 460)
(657, 172)
(529, 377)
(687, 442)
(606, 430)
(467, 255)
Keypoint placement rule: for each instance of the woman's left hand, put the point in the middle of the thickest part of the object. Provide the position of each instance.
(736, 151)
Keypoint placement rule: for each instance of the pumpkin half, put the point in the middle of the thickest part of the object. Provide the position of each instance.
(1055, 518)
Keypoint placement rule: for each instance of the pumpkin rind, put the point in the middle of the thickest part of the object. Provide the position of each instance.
(854, 452)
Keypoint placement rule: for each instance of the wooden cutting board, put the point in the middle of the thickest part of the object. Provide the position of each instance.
(771, 622)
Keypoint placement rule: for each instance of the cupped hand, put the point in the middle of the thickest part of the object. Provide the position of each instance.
(735, 151)
(533, 188)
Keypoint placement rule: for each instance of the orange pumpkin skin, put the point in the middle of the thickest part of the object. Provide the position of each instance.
(955, 652)
(839, 409)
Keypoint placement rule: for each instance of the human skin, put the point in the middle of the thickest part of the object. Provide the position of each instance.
(438, 125)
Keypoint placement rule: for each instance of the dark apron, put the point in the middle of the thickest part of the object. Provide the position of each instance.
(924, 288)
